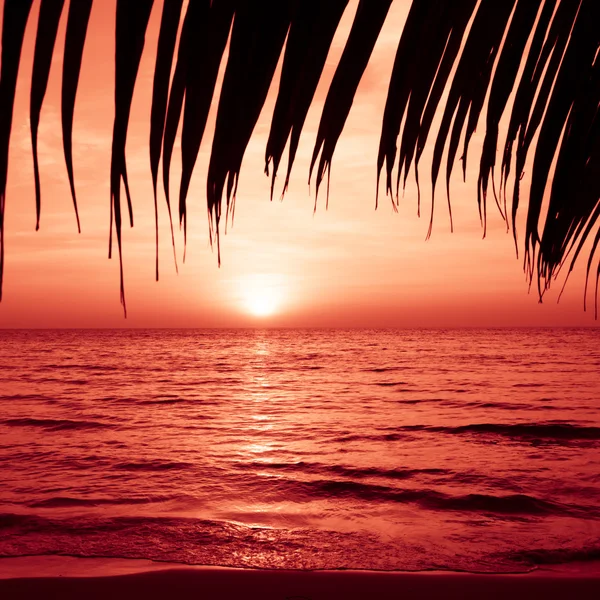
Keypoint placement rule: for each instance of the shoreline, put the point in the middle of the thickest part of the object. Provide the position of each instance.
(65, 577)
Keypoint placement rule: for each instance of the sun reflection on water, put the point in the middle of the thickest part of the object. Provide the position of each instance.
(260, 425)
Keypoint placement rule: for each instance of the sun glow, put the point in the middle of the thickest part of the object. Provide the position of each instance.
(261, 303)
(262, 295)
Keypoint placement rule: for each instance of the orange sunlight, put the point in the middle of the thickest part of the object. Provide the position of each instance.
(261, 295)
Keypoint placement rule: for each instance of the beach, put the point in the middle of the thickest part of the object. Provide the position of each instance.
(342, 398)
(66, 578)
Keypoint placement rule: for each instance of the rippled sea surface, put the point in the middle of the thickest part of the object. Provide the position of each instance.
(466, 450)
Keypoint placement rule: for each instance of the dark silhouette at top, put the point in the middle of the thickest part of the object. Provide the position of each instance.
(555, 109)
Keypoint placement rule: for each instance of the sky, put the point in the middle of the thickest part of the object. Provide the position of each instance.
(283, 264)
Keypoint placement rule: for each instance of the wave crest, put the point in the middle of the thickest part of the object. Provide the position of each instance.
(55, 424)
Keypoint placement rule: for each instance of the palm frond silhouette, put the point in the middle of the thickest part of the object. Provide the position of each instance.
(544, 53)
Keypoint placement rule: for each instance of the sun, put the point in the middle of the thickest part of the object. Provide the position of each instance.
(261, 294)
(261, 303)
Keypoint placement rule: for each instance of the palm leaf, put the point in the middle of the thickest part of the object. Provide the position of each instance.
(367, 25)
(160, 93)
(257, 39)
(529, 117)
(50, 12)
(77, 24)
(16, 13)
(542, 52)
(132, 21)
(313, 26)
(195, 13)
(572, 83)
(206, 52)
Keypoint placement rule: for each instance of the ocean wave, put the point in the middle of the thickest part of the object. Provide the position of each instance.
(379, 472)
(531, 384)
(555, 556)
(31, 523)
(358, 437)
(557, 431)
(512, 406)
(565, 432)
(39, 397)
(193, 541)
(55, 424)
(343, 470)
(67, 501)
(162, 401)
(60, 380)
(178, 400)
(153, 465)
(13, 520)
(225, 543)
(481, 503)
(509, 504)
(83, 367)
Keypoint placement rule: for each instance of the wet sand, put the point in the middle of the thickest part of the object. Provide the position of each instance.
(95, 579)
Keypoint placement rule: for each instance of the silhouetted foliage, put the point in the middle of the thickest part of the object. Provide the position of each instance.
(13, 30)
(544, 52)
(79, 16)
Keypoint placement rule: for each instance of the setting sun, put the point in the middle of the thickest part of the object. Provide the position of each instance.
(261, 294)
(261, 303)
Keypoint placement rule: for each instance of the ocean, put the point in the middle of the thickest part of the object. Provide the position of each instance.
(462, 450)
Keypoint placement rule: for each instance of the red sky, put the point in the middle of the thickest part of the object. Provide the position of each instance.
(346, 266)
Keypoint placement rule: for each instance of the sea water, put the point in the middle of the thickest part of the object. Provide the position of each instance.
(472, 450)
